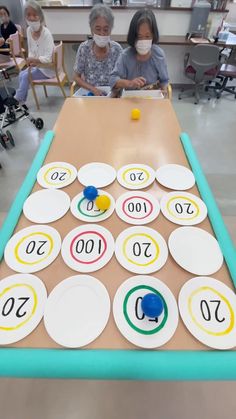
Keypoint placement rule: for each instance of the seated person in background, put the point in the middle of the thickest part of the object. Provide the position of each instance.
(143, 63)
(40, 49)
(96, 57)
(7, 27)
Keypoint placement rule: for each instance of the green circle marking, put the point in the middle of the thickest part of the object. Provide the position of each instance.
(137, 329)
(87, 215)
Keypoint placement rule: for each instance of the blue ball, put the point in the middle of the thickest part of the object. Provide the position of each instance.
(90, 94)
(152, 305)
(90, 193)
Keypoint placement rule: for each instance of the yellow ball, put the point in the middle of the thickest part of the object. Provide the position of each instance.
(103, 202)
(135, 114)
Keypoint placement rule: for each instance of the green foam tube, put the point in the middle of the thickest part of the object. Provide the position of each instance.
(219, 227)
(118, 364)
(24, 191)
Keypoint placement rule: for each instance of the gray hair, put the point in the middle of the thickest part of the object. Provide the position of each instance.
(101, 10)
(34, 5)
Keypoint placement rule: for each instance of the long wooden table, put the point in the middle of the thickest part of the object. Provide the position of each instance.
(89, 130)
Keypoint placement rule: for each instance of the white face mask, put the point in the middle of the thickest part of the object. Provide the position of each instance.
(3, 20)
(34, 26)
(143, 46)
(101, 41)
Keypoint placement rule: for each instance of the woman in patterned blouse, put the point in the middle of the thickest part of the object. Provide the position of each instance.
(96, 57)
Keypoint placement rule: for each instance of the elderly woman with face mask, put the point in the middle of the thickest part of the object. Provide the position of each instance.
(96, 57)
(143, 63)
(40, 49)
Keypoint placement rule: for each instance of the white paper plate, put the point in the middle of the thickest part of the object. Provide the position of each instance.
(137, 208)
(96, 174)
(195, 250)
(22, 301)
(141, 250)
(175, 176)
(130, 319)
(208, 309)
(32, 249)
(183, 208)
(135, 176)
(87, 248)
(46, 206)
(77, 311)
(87, 211)
(56, 175)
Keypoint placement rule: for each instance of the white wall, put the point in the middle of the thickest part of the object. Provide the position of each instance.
(75, 21)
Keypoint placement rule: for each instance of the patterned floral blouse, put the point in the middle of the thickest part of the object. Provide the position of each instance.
(94, 71)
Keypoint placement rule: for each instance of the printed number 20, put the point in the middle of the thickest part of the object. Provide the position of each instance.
(9, 305)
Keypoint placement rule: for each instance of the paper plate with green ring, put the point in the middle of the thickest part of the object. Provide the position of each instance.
(87, 211)
(133, 324)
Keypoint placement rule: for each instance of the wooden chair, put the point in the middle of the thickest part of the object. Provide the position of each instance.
(16, 57)
(72, 88)
(60, 79)
(169, 92)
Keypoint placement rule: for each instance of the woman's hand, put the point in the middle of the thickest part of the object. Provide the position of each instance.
(32, 62)
(97, 92)
(137, 83)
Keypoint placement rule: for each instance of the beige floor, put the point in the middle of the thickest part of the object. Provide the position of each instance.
(35, 399)
(212, 127)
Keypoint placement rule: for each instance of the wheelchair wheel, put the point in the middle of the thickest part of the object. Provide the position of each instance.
(10, 138)
(39, 123)
(3, 141)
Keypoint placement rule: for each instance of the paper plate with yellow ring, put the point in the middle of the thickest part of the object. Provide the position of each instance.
(183, 208)
(22, 301)
(136, 176)
(208, 309)
(32, 248)
(56, 175)
(141, 250)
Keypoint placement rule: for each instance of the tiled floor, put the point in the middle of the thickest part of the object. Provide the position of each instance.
(212, 127)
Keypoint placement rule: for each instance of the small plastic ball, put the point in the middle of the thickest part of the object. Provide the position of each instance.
(90, 94)
(135, 114)
(90, 193)
(103, 202)
(152, 305)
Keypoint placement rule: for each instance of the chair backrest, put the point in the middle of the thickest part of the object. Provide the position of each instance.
(58, 58)
(232, 58)
(204, 58)
(15, 44)
(19, 29)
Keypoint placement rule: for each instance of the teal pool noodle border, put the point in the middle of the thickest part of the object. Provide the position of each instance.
(219, 227)
(118, 364)
(15, 211)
